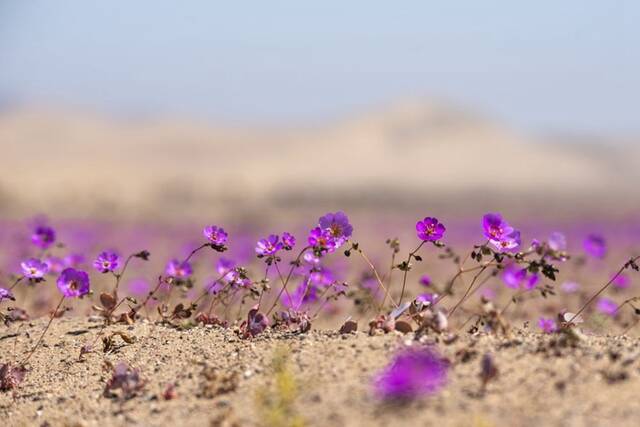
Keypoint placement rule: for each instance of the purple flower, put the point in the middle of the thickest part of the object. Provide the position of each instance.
(425, 280)
(515, 277)
(55, 264)
(622, 281)
(557, 241)
(496, 228)
(106, 262)
(322, 240)
(311, 258)
(73, 283)
(411, 374)
(43, 236)
(6, 294)
(428, 298)
(500, 234)
(338, 225)
(595, 245)
(179, 269)
(216, 235)
(548, 326)
(225, 265)
(607, 306)
(305, 293)
(269, 246)
(288, 240)
(430, 230)
(73, 260)
(509, 242)
(34, 268)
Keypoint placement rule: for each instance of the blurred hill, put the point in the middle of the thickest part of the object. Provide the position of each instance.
(401, 157)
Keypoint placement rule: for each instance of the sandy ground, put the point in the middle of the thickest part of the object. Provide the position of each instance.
(219, 379)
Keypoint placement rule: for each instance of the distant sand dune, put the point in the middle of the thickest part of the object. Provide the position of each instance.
(82, 163)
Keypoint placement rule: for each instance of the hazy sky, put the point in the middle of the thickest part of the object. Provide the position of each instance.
(542, 66)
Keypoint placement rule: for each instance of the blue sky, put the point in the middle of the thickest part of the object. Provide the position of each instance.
(543, 66)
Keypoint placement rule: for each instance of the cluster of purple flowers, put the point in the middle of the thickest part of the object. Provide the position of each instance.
(500, 234)
(332, 232)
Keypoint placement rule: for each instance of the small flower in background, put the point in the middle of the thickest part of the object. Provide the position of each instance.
(73, 283)
(216, 235)
(106, 262)
(557, 241)
(430, 230)
(225, 265)
(288, 240)
(34, 269)
(516, 277)
(425, 280)
(607, 306)
(548, 326)
(622, 281)
(413, 373)
(73, 260)
(6, 294)
(269, 246)
(595, 246)
(179, 269)
(55, 264)
(570, 287)
(43, 236)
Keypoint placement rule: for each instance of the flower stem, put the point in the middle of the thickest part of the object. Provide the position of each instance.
(406, 271)
(35, 347)
(604, 288)
(286, 281)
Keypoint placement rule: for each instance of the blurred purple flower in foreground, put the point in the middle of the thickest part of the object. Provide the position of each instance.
(43, 236)
(430, 229)
(607, 306)
(411, 374)
(595, 246)
(106, 262)
(548, 326)
(179, 269)
(269, 246)
(34, 268)
(73, 283)
(216, 235)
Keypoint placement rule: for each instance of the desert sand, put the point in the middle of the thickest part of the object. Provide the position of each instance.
(221, 380)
